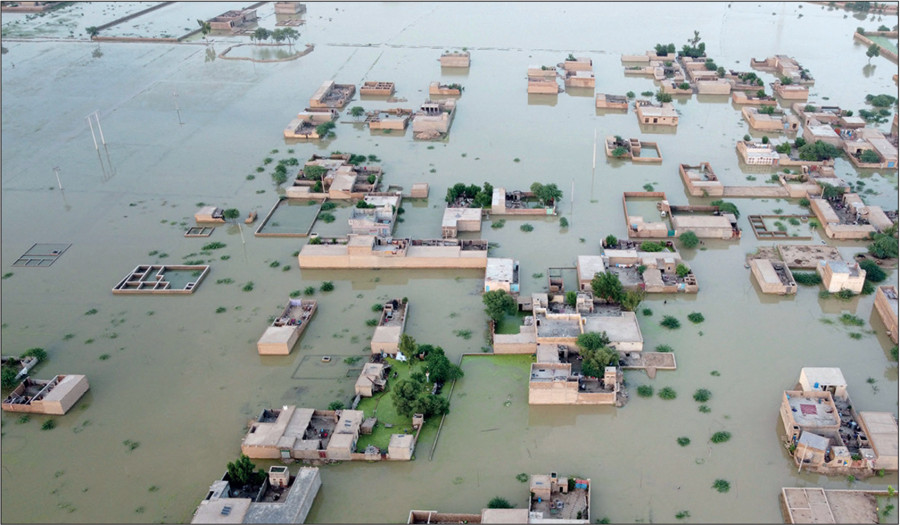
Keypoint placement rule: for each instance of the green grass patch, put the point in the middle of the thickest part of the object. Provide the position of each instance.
(696, 317)
(850, 320)
(526, 227)
(645, 391)
(670, 322)
(668, 393)
(721, 485)
(498, 224)
(702, 395)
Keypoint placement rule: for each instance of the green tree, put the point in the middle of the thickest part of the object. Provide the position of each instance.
(818, 151)
(688, 239)
(662, 96)
(455, 192)
(413, 396)
(726, 207)
(619, 152)
(589, 341)
(261, 34)
(336, 405)
(324, 129)
(314, 172)
(38, 353)
(408, 346)
(632, 299)
(205, 28)
(593, 362)
(884, 246)
(290, 34)
(241, 472)
(874, 273)
(571, 297)
(231, 214)
(439, 368)
(546, 193)
(92, 31)
(607, 286)
(498, 304)
(610, 241)
(873, 51)
(682, 270)
(8, 377)
(357, 111)
(499, 503)
(869, 156)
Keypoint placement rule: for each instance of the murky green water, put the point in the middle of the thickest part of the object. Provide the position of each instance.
(182, 380)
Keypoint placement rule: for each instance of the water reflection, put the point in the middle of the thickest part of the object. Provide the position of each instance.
(542, 100)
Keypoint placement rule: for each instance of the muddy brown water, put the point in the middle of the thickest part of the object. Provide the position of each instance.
(181, 380)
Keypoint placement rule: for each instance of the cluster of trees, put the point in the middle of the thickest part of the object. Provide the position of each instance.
(242, 472)
(9, 372)
(595, 353)
(413, 395)
(877, 117)
(818, 151)
(726, 207)
(498, 304)
(767, 110)
(751, 78)
(278, 35)
(696, 48)
(546, 193)
(325, 129)
(607, 286)
(477, 197)
(884, 244)
(881, 101)
(663, 49)
(662, 96)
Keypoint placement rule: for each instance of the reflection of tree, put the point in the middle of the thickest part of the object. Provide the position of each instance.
(97, 53)
(868, 69)
(210, 54)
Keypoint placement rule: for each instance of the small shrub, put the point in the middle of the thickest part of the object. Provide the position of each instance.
(563, 222)
(720, 437)
(696, 317)
(670, 322)
(645, 391)
(326, 217)
(667, 393)
(327, 286)
(523, 477)
(309, 290)
(647, 312)
(499, 503)
(295, 293)
(465, 334)
(702, 395)
(663, 348)
(703, 408)
(221, 309)
(804, 202)
(526, 227)
(807, 278)
(336, 405)
(689, 239)
(498, 224)
(682, 514)
(684, 441)
(851, 320)
(248, 287)
(48, 425)
(721, 485)
(328, 206)
(648, 187)
(874, 273)
(274, 264)
(92, 311)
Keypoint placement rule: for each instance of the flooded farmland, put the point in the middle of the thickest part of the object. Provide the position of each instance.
(179, 376)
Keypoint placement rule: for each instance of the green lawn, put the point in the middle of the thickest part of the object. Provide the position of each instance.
(382, 406)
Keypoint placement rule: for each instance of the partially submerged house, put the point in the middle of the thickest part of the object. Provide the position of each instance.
(233, 21)
(455, 59)
(632, 149)
(286, 329)
(777, 121)
(377, 218)
(162, 279)
(705, 221)
(444, 90)
(389, 119)
(557, 499)
(542, 81)
(519, 203)
(302, 433)
(857, 141)
(46, 396)
(289, 8)
(306, 124)
(655, 114)
(369, 251)
(757, 153)
(502, 274)
(391, 324)
(558, 324)
(606, 101)
(433, 119)
(339, 180)
(743, 98)
(827, 434)
(849, 218)
(790, 91)
(579, 79)
(773, 277)
(377, 89)
(282, 498)
(208, 214)
(784, 66)
(371, 380)
(840, 275)
(886, 306)
(652, 272)
(700, 180)
(554, 383)
(457, 220)
(818, 505)
(332, 95)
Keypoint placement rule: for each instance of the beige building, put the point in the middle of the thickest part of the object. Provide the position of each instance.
(287, 328)
(881, 430)
(701, 180)
(368, 251)
(816, 131)
(773, 277)
(208, 214)
(401, 446)
(455, 59)
(289, 8)
(706, 226)
(332, 95)
(304, 126)
(606, 101)
(433, 119)
(554, 384)
(371, 380)
(840, 275)
(791, 91)
(233, 21)
(391, 324)
(579, 64)
(378, 219)
(457, 220)
(886, 306)
(390, 119)
(743, 98)
(757, 153)
(656, 114)
(502, 274)
(555, 499)
(444, 90)
(777, 122)
(518, 203)
(271, 505)
(718, 86)
(784, 66)
(588, 266)
(856, 221)
(579, 79)
(40, 396)
(543, 85)
(377, 89)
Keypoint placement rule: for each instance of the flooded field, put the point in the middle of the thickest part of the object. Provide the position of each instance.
(174, 379)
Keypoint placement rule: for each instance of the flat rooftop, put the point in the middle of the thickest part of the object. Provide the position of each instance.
(550, 327)
(701, 221)
(816, 505)
(499, 269)
(590, 265)
(811, 412)
(454, 215)
(619, 328)
(883, 433)
(543, 372)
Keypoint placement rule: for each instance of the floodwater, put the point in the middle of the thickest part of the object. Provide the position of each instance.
(181, 380)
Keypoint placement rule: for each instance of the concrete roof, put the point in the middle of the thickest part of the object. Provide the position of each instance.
(343, 182)
(821, 130)
(382, 200)
(547, 354)
(454, 215)
(294, 506)
(401, 441)
(838, 266)
(64, 387)
(340, 441)
(619, 328)
(813, 441)
(883, 433)
(499, 269)
(504, 516)
(350, 421)
(590, 265)
(766, 270)
(667, 110)
(211, 511)
(701, 221)
(277, 334)
(359, 240)
(830, 376)
(387, 334)
(291, 423)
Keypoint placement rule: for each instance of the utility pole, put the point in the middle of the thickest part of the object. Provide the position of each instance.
(100, 128)
(56, 171)
(177, 109)
(92, 133)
